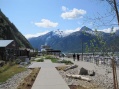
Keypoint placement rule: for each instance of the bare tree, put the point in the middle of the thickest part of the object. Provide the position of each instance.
(114, 5)
(107, 20)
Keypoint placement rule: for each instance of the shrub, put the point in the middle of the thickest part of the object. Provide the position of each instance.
(40, 60)
(17, 61)
(66, 62)
(4, 68)
(49, 57)
(54, 60)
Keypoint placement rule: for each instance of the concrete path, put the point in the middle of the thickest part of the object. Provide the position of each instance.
(48, 77)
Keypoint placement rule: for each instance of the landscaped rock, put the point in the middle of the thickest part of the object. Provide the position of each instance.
(97, 82)
(2, 63)
(91, 73)
(83, 71)
(18, 61)
(23, 63)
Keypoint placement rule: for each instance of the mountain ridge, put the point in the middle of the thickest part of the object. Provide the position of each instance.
(69, 43)
(10, 32)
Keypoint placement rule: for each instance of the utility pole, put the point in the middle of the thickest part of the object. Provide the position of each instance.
(82, 46)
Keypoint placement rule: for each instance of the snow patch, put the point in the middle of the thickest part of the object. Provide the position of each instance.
(60, 33)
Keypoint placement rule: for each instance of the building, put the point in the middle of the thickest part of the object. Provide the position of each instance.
(7, 49)
(45, 49)
(53, 52)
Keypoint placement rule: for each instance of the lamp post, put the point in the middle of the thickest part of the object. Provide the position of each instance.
(82, 46)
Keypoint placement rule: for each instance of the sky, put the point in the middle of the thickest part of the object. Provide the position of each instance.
(37, 17)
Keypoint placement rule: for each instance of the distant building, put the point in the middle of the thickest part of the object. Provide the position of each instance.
(45, 49)
(53, 52)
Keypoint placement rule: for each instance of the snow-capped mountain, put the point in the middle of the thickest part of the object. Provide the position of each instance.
(60, 33)
(85, 29)
(117, 32)
(68, 42)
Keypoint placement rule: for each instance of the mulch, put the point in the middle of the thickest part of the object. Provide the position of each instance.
(76, 87)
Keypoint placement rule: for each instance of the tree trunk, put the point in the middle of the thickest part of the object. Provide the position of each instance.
(114, 74)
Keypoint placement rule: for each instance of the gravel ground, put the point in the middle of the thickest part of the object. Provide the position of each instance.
(13, 82)
(98, 81)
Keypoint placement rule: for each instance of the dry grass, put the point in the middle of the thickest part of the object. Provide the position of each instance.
(76, 87)
(29, 80)
(61, 67)
(8, 71)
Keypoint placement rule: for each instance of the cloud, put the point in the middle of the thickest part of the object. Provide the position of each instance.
(35, 35)
(46, 24)
(73, 14)
(108, 30)
(64, 8)
(91, 23)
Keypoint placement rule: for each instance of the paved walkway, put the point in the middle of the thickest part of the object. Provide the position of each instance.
(48, 77)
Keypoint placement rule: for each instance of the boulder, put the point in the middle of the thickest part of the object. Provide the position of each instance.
(91, 73)
(2, 63)
(83, 71)
(18, 61)
(23, 63)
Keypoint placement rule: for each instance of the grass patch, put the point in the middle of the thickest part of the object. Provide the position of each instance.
(67, 62)
(29, 80)
(40, 60)
(54, 60)
(8, 71)
(4, 68)
(48, 57)
(61, 67)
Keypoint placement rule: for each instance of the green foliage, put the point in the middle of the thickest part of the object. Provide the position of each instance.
(66, 62)
(17, 61)
(54, 60)
(96, 44)
(49, 57)
(4, 68)
(40, 60)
